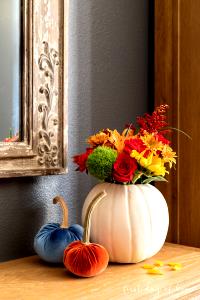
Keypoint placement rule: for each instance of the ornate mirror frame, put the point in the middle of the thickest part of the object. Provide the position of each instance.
(43, 150)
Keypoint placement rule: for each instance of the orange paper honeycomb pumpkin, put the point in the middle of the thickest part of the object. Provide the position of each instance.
(83, 258)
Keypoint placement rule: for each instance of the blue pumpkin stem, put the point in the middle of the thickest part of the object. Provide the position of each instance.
(60, 200)
(87, 222)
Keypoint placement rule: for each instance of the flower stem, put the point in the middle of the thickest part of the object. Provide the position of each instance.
(177, 129)
(87, 222)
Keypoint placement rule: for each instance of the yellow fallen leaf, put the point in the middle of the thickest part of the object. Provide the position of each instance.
(147, 266)
(175, 268)
(159, 263)
(155, 271)
(174, 264)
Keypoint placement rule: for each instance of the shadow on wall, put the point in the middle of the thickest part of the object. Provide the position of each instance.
(26, 203)
(107, 88)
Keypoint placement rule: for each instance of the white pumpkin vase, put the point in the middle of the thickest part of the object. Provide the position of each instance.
(131, 222)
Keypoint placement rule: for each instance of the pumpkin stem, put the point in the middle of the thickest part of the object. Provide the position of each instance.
(61, 201)
(87, 222)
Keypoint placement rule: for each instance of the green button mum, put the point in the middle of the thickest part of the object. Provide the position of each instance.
(100, 162)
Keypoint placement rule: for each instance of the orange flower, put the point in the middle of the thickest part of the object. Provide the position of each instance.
(109, 138)
(98, 139)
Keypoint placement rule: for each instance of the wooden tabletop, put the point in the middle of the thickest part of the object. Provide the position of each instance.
(31, 279)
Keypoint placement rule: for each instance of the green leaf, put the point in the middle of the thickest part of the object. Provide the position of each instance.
(153, 178)
(137, 176)
(137, 130)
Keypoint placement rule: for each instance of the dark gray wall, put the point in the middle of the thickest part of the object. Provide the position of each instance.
(107, 88)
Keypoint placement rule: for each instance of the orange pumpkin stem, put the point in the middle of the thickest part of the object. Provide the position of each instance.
(61, 201)
(87, 222)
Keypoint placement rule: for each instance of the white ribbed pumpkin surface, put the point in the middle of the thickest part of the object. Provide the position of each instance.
(131, 222)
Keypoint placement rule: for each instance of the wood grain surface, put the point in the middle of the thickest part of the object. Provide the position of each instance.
(177, 76)
(30, 278)
(165, 87)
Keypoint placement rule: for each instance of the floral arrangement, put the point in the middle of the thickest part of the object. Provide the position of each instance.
(140, 154)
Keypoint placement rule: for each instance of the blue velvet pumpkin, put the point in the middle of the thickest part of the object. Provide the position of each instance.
(53, 238)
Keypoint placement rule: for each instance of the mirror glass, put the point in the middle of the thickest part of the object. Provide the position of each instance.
(10, 70)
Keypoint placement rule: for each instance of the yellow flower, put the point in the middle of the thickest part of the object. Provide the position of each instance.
(157, 166)
(152, 162)
(145, 162)
(151, 142)
(168, 155)
(137, 155)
